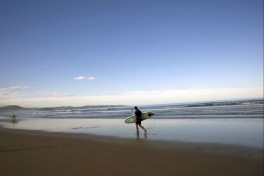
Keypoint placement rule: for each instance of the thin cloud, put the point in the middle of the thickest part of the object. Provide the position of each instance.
(13, 89)
(13, 92)
(84, 78)
(132, 97)
(61, 94)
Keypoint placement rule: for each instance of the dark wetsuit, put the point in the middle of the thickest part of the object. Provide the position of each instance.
(138, 117)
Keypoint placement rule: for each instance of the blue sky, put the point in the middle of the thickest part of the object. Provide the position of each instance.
(73, 52)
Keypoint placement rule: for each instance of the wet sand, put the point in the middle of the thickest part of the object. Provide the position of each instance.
(41, 153)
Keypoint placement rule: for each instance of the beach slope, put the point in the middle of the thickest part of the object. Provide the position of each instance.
(22, 153)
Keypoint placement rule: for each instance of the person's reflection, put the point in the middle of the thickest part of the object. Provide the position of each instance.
(14, 120)
(138, 138)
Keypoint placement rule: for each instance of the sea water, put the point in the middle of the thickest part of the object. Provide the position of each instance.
(232, 122)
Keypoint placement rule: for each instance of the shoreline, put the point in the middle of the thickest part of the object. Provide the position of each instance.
(153, 143)
(241, 132)
(38, 152)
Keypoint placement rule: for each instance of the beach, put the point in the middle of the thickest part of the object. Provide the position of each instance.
(25, 152)
(195, 139)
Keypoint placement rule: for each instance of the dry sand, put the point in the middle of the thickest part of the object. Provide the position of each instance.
(38, 153)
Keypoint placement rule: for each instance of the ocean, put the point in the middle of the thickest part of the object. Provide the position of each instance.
(201, 110)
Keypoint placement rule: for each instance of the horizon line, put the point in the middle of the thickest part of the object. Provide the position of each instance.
(155, 104)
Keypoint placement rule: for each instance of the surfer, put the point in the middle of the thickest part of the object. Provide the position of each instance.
(13, 118)
(138, 114)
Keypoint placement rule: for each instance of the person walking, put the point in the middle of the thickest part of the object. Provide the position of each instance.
(13, 118)
(138, 114)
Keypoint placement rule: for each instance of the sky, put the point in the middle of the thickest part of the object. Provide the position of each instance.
(129, 52)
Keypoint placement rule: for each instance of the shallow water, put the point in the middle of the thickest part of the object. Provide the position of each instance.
(238, 131)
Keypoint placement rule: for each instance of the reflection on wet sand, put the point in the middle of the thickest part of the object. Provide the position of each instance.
(138, 139)
(14, 121)
(247, 132)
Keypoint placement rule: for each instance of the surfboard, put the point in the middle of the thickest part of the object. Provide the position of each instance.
(145, 115)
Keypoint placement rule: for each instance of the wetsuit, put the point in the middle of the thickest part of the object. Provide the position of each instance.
(138, 117)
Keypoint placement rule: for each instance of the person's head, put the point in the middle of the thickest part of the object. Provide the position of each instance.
(135, 108)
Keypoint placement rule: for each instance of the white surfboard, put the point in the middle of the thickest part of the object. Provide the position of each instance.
(145, 115)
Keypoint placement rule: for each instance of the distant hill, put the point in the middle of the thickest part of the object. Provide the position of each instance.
(17, 108)
(10, 108)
